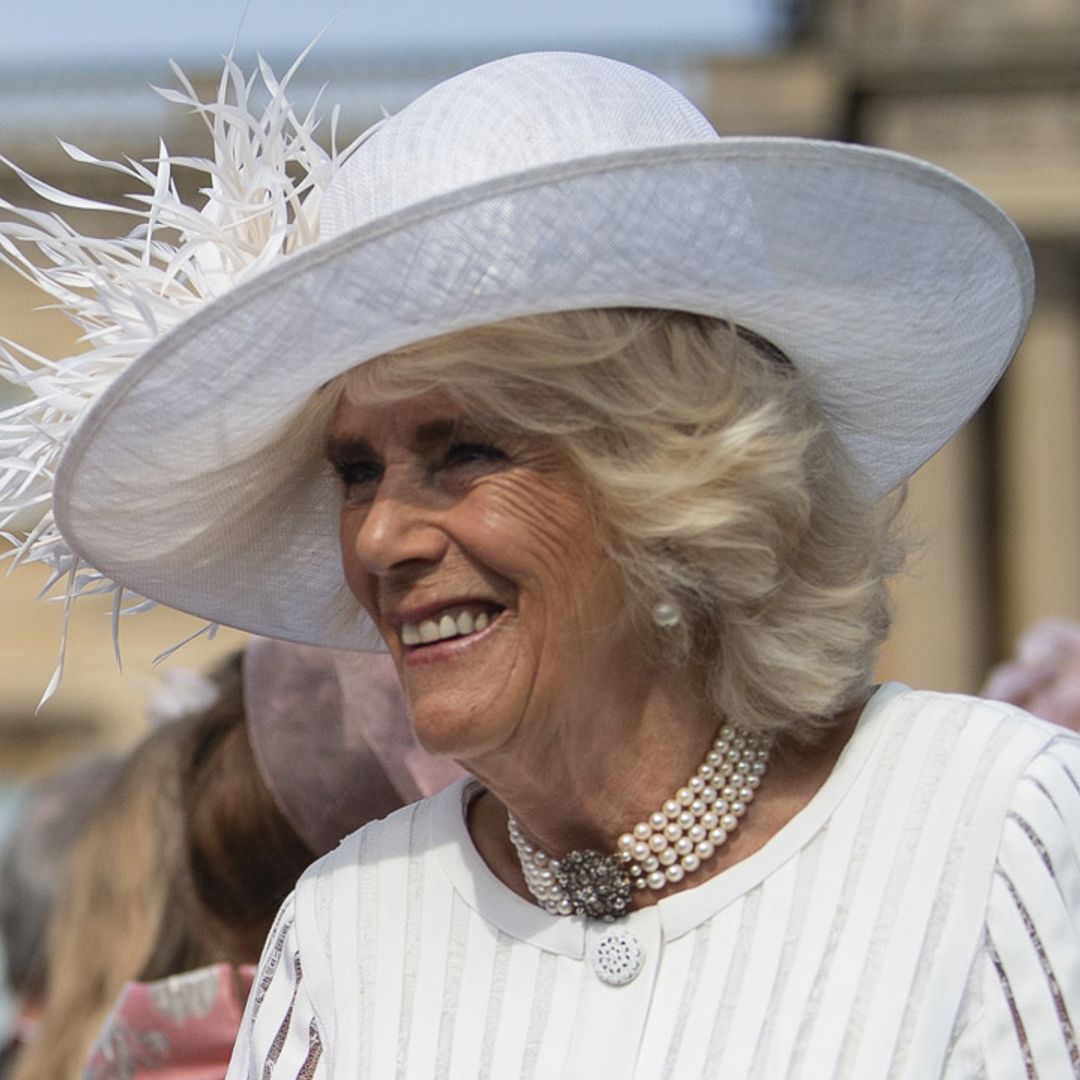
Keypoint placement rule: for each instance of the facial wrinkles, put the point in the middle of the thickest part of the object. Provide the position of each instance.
(522, 536)
(500, 497)
(524, 498)
(457, 575)
(555, 728)
(552, 612)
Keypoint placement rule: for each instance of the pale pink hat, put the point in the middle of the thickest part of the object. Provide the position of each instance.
(332, 739)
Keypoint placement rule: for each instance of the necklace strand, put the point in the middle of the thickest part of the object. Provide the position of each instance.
(659, 851)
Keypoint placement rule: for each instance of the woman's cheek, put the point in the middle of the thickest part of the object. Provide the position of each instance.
(352, 569)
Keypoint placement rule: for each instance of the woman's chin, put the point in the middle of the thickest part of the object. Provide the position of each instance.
(452, 727)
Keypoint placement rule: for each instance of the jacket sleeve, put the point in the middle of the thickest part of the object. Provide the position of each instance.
(1029, 966)
(279, 1035)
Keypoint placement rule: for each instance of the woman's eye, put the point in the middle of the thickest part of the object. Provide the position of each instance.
(472, 453)
(358, 477)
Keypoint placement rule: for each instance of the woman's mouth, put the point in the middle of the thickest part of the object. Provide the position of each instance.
(455, 621)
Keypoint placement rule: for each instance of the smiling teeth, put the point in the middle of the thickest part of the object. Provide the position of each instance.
(448, 626)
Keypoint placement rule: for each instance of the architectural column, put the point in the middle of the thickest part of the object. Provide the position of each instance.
(940, 637)
(1039, 466)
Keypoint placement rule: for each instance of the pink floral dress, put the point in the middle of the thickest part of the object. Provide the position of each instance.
(180, 1028)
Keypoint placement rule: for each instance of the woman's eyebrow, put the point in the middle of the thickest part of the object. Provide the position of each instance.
(341, 449)
(436, 432)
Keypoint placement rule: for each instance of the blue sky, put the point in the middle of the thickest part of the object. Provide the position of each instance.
(95, 31)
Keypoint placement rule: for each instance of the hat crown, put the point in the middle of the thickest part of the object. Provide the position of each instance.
(502, 118)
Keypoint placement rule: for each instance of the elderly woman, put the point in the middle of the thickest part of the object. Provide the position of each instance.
(589, 413)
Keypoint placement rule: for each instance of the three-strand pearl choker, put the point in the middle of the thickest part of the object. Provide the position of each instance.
(660, 851)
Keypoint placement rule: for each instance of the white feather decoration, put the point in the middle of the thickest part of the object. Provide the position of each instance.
(263, 189)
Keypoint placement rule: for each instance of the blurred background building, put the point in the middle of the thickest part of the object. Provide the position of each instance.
(988, 89)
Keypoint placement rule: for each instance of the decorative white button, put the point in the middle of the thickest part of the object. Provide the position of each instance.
(617, 958)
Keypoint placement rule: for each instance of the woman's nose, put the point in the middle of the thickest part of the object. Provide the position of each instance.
(400, 527)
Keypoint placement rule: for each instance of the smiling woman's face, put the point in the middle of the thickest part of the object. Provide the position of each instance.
(479, 559)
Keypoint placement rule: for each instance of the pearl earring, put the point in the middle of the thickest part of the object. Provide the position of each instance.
(666, 614)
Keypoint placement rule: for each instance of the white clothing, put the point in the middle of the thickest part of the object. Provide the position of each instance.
(918, 919)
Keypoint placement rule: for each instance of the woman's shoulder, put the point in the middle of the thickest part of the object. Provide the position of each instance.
(374, 865)
(396, 835)
(968, 814)
(943, 717)
(968, 761)
(997, 766)
(1026, 988)
(350, 907)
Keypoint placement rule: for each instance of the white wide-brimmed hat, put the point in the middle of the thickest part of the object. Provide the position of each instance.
(533, 184)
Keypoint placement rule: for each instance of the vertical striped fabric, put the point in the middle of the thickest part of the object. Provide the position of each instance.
(917, 920)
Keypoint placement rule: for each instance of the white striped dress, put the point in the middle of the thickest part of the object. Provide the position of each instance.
(917, 919)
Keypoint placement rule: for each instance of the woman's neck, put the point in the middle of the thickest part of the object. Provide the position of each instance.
(566, 802)
(579, 782)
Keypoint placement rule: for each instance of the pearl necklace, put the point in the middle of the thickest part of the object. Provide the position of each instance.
(660, 851)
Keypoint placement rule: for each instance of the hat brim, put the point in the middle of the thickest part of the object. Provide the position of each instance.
(900, 291)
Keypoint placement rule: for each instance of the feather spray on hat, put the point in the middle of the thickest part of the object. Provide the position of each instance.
(264, 180)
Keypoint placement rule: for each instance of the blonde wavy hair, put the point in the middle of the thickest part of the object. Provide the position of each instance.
(717, 483)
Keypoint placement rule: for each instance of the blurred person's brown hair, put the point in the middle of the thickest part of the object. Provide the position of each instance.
(242, 856)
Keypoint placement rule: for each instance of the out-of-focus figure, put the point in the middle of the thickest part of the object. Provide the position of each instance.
(176, 881)
(33, 862)
(1044, 675)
